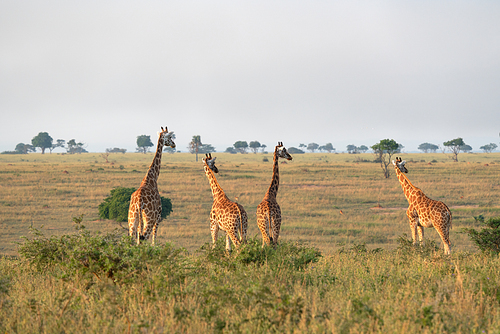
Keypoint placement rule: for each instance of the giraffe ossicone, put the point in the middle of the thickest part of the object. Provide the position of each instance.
(269, 211)
(144, 212)
(423, 211)
(225, 214)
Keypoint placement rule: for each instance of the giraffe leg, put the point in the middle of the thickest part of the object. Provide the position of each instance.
(413, 219)
(276, 225)
(214, 230)
(133, 222)
(263, 224)
(420, 231)
(264, 229)
(228, 242)
(231, 236)
(443, 232)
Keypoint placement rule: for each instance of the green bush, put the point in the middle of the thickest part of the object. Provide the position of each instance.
(85, 254)
(488, 239)
(116, 205)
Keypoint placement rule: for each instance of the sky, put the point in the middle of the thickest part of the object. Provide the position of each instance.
(340, 72)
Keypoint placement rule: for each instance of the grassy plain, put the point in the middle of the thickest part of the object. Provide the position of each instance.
(385, 286)
(50, 189)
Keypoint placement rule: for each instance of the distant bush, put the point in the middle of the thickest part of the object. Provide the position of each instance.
(488, 239)
(294, 150)
(116, 150)
(116, 205)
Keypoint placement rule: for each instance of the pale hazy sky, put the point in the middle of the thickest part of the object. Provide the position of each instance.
(345, 72)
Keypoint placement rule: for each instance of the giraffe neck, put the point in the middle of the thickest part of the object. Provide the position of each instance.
(408, 187)
(217, 191)
(273, 188)
(151, 178)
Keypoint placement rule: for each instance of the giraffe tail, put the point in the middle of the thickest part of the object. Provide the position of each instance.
(241, 223)
(271, 236)
(140, 224)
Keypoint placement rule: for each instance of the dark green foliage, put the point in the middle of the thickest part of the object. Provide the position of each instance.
(111, 255)
(294, 150)
(488, 239)
(116, 205)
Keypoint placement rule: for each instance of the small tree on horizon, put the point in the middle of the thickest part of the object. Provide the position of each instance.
(22, 148)
(327, 147)
(455, 146)
(254, 146)
(74, 147)
(384, 150)
(363, 148)
(312, 147)
(241, 146)
(489, 147)
(426, 147)
(194, 145)
(352, 149)
(42, 141)
(58, 143)
(143, 143)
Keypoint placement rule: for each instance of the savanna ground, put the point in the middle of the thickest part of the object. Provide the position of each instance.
(368, 279)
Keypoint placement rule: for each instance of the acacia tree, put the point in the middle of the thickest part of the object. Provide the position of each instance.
(241, 146)
(352, 149)
(384, 151)
(455, 146)
(22, 148)
(328, 147)
(426, 147)
(42, 140)
(254, 146)
(143, 143)
(74, 147)
(194, 145)
(489, 147)
(363, 148)
(312, 147)
(59, 143)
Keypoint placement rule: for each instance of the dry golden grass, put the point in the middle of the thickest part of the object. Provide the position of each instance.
(50, 189)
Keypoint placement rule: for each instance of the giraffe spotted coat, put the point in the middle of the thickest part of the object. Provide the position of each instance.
(144, 212)
(225, 214)
(269, 211)
(423, 211)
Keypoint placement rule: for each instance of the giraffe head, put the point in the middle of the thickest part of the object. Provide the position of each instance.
(400, 164)
(282, 152)
(210, 162)
(167, 138)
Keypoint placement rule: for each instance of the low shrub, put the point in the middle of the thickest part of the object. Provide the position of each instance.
(488, 239)
(110, 255)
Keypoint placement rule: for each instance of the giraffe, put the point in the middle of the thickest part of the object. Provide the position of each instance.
(144, 213)
(268, 211)
(225, 214)
(423, 211)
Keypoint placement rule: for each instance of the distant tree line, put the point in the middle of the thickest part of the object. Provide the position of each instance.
(44, 141)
